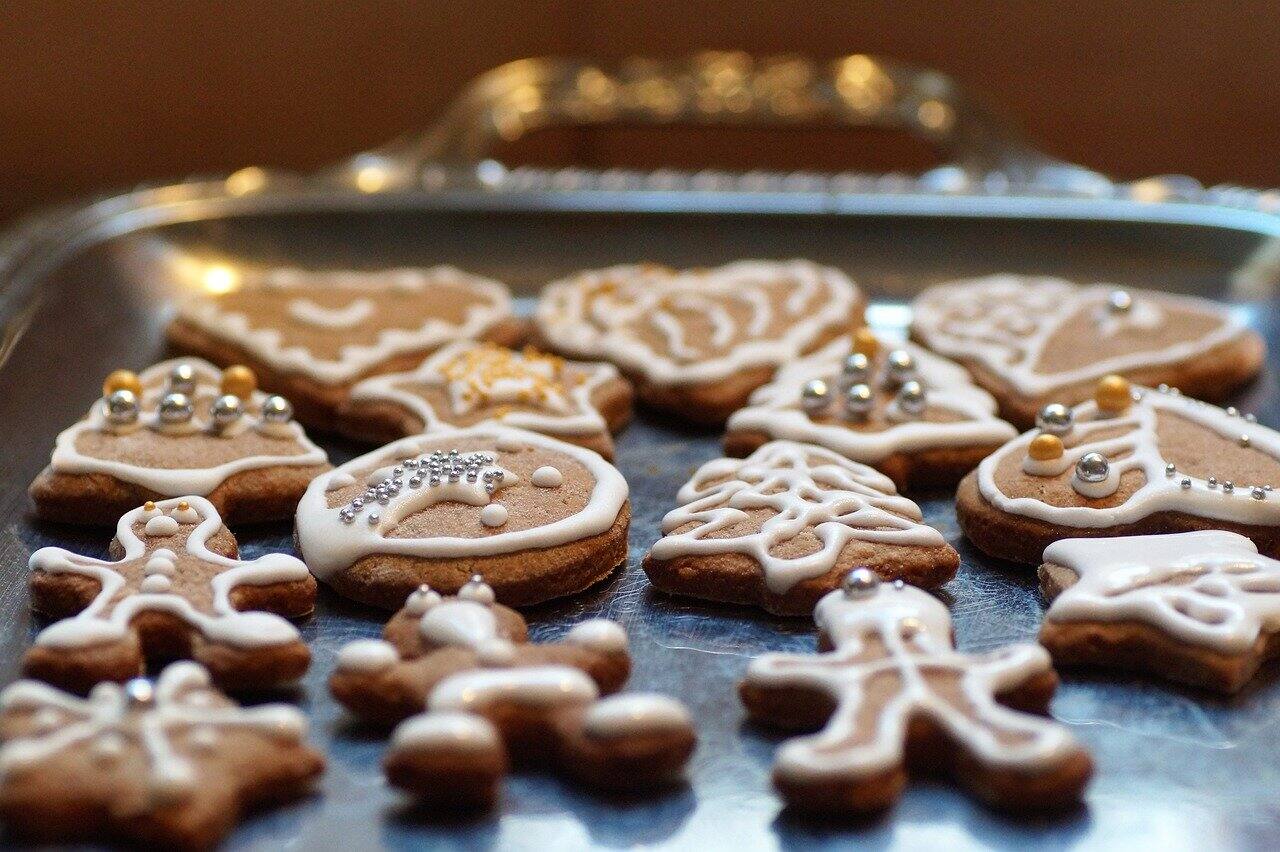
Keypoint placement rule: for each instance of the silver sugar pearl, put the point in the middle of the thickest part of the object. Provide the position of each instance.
(1259, 493)
(1093, 467)
(1232, 411)
(900, 367)
(856, 369)
(122, 407)
(182, 379)
(860, 583)
(1055, 419)
(1251, 418)
(139, 692)
(373, 518)
(1228, 486)
(1213, 482)
(911, 399)
(226, 410)
(415, 482)
(858, 401)
(814, 396)
(1244, 441)
(1170, 469)
(276, 409)
(347, 516)
(1186, 485)
(176, 408)
(1119, 302)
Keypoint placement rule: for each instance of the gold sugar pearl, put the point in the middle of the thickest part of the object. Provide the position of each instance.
(1045, 448)
(1113, 393)
(149, 506)
(865, 342)
(239, 380)
(183, 505)
(122, 380)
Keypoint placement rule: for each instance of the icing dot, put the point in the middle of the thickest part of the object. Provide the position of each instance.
(204, 737)
(477, 590)
(599, 634)
(173, 785)
(158, 564)
(184, 514)
(339, 479)
(156, 584)
(421, 599)
(547, 477)
(107, 748)
(454, 730)
(161, 525)
(507, 444)
(496, 652)
(636, 714)
(47, 719)
(367, 655)
(493, 515)
(380, 475)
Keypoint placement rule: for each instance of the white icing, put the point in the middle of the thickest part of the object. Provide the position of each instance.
(913, 631)
(1097, 490)
(1005, 322)
(835, 499)
(577, 316)
(600, 635)
(493, 515)
(108, 615)
(447, 730)
(342, 480)
(161, 525)
(173, 482)
(156, 583)
(185, 516)
(158, 564)
(536, 687)
(109, 723)
(353, 360)
(562, 409)
(547, 477)
(367, 655)
(1208, 588)
(636, 715)
(459, 622)
(1136, 450)
(350, 315)
(329, 545)
(1043, 467)
(775, 409)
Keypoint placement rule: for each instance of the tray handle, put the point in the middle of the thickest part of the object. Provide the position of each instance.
(722, 88)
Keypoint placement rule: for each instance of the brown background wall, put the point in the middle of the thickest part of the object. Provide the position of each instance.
(99, 95)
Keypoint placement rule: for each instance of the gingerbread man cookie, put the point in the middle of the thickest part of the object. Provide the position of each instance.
(538, 517)
(783, 527)
(891, 694)
(169, 765)
(1201, 608)
(1032, 340)
(492, 698)
(180, 427)
(910, 414)
(174, 588)
(313, 334)
(697, 342)
(468, 383)
(1133, 461)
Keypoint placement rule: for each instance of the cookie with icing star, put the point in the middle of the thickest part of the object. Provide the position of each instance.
(180, 427)
(697, 342)
(1033, 340)
(784, 526)
(538, 518)
(910, 414)
(311, 334)
(1133, 461)
(468, 383)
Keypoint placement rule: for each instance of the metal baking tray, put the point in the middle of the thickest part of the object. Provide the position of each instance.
(83, 290)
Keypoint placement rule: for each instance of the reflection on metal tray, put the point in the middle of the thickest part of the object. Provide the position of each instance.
(85, 293)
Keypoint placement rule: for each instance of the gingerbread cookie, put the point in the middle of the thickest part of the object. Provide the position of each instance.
(180, 427)
(174, 588)
(469, 383)
(783, 527)
(912, 415)
(539, 518)
(1032, 340)
(1133, 461)
(697, 342)
(313, 334)
(492, 698)
(890, 694)
(169, 765)
(1201, 608)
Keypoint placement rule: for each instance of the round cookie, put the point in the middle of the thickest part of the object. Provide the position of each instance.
(312, 334)
(180, 427)
(912, 415)
(697, 342)
(536, 517)
(1032, 340)
(470, 383)
(783, 527)
(1135, 461)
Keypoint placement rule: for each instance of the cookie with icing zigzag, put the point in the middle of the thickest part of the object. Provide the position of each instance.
(1134, 461)
(1034, 340)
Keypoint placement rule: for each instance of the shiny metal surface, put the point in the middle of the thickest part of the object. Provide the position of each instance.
(1176, 768)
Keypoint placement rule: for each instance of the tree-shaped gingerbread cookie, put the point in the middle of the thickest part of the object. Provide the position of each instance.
(891, 695)
(174, 589)
(485, 697)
